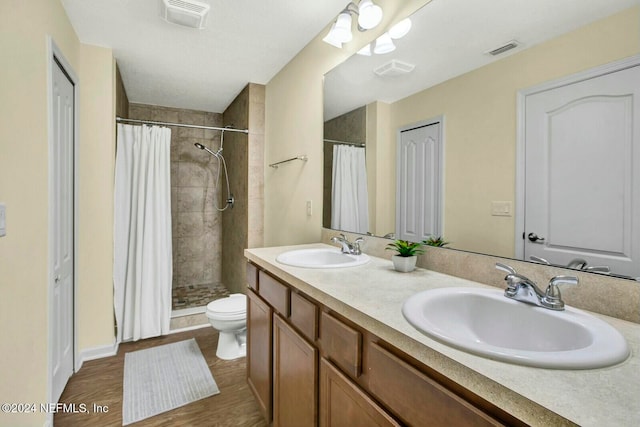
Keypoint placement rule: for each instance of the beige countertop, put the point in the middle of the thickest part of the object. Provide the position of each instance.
(372, 296)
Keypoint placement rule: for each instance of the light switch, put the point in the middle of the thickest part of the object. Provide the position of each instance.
(3, 220)
(309, 208)
(501, 208)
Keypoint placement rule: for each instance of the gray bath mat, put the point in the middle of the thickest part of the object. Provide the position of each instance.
(162, 378)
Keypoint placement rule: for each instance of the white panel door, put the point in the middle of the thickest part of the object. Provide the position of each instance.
(582, 172)
(418, 183)
(62, 233)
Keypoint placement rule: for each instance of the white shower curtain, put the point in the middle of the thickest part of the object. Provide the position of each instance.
(142, 266)
(349, 199)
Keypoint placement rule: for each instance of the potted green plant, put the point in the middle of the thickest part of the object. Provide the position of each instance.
(407, 254)
(435, 241)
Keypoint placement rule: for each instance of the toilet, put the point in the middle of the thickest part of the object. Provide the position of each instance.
(229, 316)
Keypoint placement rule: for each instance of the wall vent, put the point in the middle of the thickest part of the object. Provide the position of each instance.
(189, 13)
(504, 48)
(394, 68)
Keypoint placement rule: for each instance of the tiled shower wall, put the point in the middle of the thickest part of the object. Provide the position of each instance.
(196, 224)
(243, 226)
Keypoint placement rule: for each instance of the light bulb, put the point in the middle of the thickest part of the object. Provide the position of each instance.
(331, 39)
(342, 28)
(400, 29)
(365, 51)
(384, 44)
(369, 14)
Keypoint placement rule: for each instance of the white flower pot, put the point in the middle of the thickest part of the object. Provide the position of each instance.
(404, 264)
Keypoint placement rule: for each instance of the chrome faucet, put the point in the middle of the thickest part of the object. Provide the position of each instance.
(521, 288)
(347, 246)
(577, 263)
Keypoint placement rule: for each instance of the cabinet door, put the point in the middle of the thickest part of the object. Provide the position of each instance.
(295, 382)
(259, 350)
(342, 403)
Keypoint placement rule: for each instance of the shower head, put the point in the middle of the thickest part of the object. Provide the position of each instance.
(202, 147)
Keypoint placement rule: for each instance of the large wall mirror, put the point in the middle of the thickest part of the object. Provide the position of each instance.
(441, 117)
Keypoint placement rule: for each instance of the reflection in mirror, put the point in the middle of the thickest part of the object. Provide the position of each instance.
(481, 100)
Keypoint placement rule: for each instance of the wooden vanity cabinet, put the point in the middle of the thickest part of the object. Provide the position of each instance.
(309, 366)
(259, 351)
(343, 403)
(295, 377)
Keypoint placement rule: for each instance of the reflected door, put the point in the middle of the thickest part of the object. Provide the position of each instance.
(418, 171)
(582, 173)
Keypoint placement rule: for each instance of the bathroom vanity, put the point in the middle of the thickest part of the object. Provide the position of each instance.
(331, 347)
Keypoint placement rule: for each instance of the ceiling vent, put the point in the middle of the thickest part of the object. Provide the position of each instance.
(504, 48)
(394, 68)
(188, 13)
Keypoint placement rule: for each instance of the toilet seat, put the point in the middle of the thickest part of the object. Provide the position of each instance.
(230, 308)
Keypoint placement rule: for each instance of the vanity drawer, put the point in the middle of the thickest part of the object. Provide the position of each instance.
(415, 398)
(274, 292)
(252, 276)
(304, 316)
(342, 344)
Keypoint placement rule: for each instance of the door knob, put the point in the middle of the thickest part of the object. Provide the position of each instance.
(533, 237)
(57, 279)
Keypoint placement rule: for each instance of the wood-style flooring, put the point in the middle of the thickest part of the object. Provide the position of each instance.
(100, 382)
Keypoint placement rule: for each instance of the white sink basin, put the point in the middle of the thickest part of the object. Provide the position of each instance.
(321, 258)
(485, 322)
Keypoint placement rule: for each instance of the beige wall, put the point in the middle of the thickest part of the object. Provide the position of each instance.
(380, 148)
(96, 151)
(24, 188)
(294, 127)
(480, 124)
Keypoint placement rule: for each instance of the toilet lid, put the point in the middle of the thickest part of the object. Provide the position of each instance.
(236, 303)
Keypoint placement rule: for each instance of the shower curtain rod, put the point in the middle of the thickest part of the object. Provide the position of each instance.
(354, 144)
(149, 122)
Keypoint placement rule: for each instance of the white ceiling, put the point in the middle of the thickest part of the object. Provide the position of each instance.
(450, 38)
(166, 64)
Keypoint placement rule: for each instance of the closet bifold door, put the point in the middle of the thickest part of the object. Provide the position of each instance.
(295, 378)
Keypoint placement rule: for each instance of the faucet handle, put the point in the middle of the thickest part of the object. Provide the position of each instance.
(552, 297)
(506, 268)
(356, 246)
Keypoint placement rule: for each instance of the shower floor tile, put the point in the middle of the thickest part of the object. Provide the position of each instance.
(197, 295)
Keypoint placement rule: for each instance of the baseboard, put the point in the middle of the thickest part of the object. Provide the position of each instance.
(189, 328)
(98, 353)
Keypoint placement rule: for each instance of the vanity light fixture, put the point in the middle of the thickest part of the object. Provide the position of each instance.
(369, 16)
(384, 44)
(401, 29)
(365, 51)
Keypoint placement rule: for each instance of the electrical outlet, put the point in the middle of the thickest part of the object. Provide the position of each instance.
(309, 208)
(3, 220)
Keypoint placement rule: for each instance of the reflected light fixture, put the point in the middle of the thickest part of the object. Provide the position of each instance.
(401, 29)
(384, 44)
(365, 51)
(369, 16)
